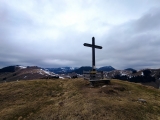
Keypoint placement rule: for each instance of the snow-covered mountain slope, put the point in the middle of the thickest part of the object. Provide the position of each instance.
(12, 73)
(62, 70)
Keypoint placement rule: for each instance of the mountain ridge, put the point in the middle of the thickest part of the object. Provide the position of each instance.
(18, 72)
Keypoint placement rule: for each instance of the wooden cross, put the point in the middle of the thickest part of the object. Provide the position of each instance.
(93, 51)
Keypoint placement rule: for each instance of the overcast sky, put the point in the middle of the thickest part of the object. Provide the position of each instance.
(51, 33)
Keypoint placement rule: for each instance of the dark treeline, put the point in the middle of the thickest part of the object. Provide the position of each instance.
(8, 69)
(138, 79)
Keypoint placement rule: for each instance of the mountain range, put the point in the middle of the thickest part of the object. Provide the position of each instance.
(15, 73)
(64, 70)
(19, 72)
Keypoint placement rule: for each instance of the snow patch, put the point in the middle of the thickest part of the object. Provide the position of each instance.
(72, 68)
(61, 77)
(48, 73)
(22, 67)
(153, 75)
(80, 75)
(123, 74)
(142, 73)
(68, 76)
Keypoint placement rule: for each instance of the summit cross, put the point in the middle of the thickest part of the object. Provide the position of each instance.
(93, 51)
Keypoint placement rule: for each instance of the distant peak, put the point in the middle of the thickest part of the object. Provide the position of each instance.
(130, 69)
(108, 66)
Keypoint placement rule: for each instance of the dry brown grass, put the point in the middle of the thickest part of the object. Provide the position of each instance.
(75, 100)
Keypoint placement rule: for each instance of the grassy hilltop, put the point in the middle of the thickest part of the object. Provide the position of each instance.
(75, 100)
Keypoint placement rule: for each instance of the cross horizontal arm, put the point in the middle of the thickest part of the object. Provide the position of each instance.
(98, 47)
(94, 46)
(88, 45)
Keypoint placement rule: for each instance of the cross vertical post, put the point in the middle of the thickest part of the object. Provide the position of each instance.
(93, 52)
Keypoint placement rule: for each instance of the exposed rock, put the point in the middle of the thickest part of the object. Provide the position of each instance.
(104, 86)
(142, 100)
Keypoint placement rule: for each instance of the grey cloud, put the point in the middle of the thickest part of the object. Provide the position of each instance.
(149, 21)
(26, 41)
(138, 48)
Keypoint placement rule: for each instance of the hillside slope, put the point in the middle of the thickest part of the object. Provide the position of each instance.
(74, 99)
(15, 73)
